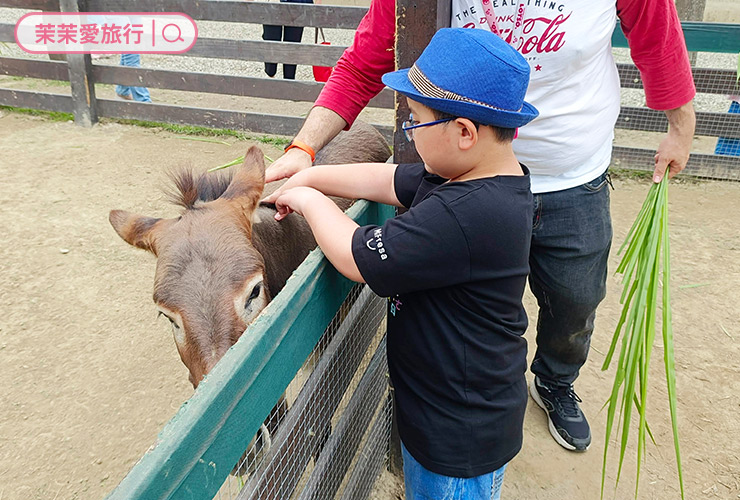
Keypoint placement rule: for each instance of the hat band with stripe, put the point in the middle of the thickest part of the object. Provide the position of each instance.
(428, 89)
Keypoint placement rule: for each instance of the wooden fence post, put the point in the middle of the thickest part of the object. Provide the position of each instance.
(691, 10)
(84, 104)
(416, 22)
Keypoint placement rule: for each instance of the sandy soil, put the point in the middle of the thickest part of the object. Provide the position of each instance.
(706, 276)
(90, 376)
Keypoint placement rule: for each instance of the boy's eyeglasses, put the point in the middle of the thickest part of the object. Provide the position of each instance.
(409, 126)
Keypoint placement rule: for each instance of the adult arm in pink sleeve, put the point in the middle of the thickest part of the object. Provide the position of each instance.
(657, 45)
(356, 77)
(658, 49)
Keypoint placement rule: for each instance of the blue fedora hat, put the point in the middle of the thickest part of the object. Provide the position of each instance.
(470, 73)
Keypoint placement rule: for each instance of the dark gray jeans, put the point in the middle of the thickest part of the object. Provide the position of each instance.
(571, 237)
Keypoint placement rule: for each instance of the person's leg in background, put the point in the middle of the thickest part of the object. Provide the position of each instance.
(271, 33)
(571, 237)
(291, 34)
(140, 94)
(124, 91)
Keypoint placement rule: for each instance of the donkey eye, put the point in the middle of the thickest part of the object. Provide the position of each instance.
(172, 321)
(174, 324)
(255, 293)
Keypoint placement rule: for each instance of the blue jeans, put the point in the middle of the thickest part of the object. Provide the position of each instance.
(140, 94)
(571, 237)
(423, 484)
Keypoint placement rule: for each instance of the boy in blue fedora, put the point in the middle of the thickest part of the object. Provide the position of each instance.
(454, 266)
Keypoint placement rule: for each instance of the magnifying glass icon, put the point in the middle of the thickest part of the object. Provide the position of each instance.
(178, 38)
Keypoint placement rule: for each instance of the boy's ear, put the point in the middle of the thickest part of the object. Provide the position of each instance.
(468, 134)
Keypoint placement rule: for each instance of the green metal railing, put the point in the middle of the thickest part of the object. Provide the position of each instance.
(700, 37)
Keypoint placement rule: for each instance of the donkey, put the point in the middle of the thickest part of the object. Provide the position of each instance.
(225, 257)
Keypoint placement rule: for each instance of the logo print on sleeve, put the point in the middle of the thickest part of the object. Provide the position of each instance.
(376, 243)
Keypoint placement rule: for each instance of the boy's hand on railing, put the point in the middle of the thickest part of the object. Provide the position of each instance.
(288, 165)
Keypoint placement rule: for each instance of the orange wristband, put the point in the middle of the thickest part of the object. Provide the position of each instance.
(303, 147)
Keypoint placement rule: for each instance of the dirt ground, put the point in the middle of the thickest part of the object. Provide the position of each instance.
(90, 375)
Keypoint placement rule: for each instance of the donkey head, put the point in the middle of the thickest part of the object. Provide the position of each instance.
(209, 280)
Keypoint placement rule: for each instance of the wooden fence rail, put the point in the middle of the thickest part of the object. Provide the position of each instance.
(707, 80)
(290, 14)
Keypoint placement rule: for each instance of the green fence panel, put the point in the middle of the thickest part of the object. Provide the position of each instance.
(700, 37)
(197, 449)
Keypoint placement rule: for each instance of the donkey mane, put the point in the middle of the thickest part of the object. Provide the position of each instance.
(189, 187)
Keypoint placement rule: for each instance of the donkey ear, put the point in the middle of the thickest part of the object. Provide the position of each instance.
(249, 180)
(136, 230)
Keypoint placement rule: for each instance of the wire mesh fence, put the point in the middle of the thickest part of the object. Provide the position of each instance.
(327, 437)
(715, 151)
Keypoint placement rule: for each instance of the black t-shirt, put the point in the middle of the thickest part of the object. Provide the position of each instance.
(454, 268)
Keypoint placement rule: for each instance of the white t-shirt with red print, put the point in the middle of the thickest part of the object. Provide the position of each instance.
(574, 81)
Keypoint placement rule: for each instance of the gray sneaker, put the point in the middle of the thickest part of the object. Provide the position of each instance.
(567, 423)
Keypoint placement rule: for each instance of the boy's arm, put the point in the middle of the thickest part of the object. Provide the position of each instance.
(368, 181)
(332, 229)
(422, 249)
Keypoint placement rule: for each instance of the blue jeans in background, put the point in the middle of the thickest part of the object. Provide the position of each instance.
(140, 94)
(571, 237)
(423, 484)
